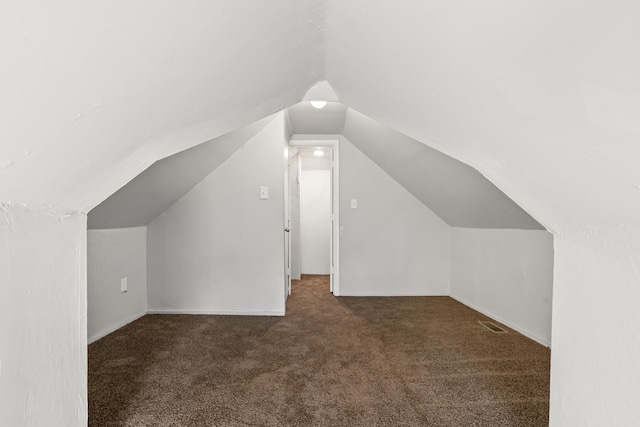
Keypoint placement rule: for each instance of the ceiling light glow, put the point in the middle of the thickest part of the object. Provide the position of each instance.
(318, 104)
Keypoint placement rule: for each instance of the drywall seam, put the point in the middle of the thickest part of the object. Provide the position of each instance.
(220, 312)
(503, 321)
(115, 327)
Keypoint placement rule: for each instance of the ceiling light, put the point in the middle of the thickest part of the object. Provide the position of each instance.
(318, 104)
(318, 153)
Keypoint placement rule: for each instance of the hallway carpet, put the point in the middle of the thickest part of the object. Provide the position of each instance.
(331, 361)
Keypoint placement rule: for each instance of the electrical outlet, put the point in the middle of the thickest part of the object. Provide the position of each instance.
(123, 285)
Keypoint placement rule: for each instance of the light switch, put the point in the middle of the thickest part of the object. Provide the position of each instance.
(354, 203)
(123, 285)
(264, 193)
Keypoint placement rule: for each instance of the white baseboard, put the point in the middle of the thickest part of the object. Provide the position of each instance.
(114, 328)
(392, 294)
(218, 312)
(503, 321)
(125, 322)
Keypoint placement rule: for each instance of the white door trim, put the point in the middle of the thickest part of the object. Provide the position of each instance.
(334, 143)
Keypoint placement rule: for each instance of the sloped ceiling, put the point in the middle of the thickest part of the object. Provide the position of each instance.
(543, 97)
(161, 185)
(95, 92)
(306, 119)
(454, 191)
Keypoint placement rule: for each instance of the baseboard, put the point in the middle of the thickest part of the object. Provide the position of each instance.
(125, 322)
(218, 312)
(392, 294)
(503, 321)
(114, 328)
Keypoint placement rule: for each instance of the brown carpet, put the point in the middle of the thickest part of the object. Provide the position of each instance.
(395, 361)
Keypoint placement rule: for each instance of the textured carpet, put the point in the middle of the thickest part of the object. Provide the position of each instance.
(395, 361)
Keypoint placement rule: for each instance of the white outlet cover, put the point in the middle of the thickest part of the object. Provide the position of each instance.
(354, 203)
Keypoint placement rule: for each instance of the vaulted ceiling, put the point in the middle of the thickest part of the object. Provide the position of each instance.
(456, 192)
(95, 92)
(163, 183)
(542, 97)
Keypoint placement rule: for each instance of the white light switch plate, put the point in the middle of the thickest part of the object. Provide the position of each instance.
(123, 284)
(354, 203)
(264, 193)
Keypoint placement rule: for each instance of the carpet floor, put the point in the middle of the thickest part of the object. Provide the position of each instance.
(331, 361)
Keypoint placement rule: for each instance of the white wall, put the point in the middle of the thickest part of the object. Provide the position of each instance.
(595, 373)
(315, 221)
(316, 163)
(391, 244)
(454, 191)
(507, 275)
(220, 249)
(43, 335)
(112, 255)
(153, 191)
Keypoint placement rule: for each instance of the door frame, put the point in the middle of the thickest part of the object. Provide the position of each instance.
(334, 143)
(287, 225)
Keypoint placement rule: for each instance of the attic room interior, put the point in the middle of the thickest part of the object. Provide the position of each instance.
(181, 232)
(527, 113)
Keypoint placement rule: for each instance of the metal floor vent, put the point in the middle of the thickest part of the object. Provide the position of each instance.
(493, 327)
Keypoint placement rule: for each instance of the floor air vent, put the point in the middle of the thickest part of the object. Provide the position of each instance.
(493, 327)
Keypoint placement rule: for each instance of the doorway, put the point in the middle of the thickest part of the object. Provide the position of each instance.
(312, 211)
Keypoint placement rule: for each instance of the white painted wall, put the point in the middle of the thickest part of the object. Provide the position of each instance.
(157, 188)
(112, 255)
(507, 275)
(43, 333)
(392, 244)
(315, 221)
(454, 191)
(220, 249)
(310, 163)
(595, 373)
